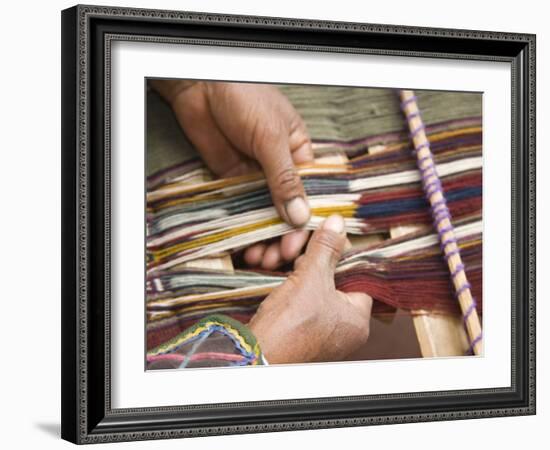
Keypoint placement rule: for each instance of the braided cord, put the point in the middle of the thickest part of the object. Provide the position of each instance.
(442, 219)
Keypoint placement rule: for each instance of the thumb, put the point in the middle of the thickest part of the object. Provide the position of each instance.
(326, 245)
(287, 191)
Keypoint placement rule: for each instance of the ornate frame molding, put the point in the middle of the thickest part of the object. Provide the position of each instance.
(84, 421)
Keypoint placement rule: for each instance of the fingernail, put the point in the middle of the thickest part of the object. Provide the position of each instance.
(298, 211)
(334, 223)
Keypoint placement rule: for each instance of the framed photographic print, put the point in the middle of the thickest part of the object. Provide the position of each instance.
(281, 224)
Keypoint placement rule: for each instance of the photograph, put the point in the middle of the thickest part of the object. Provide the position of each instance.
(296, 224)
(285, 223)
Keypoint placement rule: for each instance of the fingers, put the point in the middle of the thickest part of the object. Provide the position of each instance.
(360, 314)
(272, 257)
(299, 141)
(272, 150)
(362, 303)
(292, 244)
(242, 167)
(254, 254)
(260, 122)
(266, 256)
(327, 244)
(192, 112)
(171, 89)
(299, 262)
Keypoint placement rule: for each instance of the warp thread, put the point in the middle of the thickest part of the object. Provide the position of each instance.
(441, 217)
(189, 218)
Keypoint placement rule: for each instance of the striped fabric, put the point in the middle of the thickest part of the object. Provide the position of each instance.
(190, 218)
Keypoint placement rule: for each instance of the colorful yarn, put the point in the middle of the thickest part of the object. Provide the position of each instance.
(389, 272)
(442, 218)
(189, 218)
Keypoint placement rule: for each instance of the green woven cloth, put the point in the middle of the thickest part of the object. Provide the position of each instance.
(330, 113)
(345, 113)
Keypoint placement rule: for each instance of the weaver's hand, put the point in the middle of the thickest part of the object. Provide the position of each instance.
(306, 319)
(236, 127)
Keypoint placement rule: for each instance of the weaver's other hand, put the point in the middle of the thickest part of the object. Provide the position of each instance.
(238, 126)
(306, 319)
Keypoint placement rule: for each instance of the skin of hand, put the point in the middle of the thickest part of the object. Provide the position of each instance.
(238, 128)
(306, 319)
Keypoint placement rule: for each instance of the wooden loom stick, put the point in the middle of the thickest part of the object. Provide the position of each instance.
(438, 334)
(442, 219)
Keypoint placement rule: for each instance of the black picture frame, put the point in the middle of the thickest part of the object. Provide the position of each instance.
(87, 33)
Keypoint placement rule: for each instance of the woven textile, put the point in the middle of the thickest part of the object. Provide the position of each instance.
(190, 218)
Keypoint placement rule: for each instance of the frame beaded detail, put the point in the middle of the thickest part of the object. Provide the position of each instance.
(84, 14)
